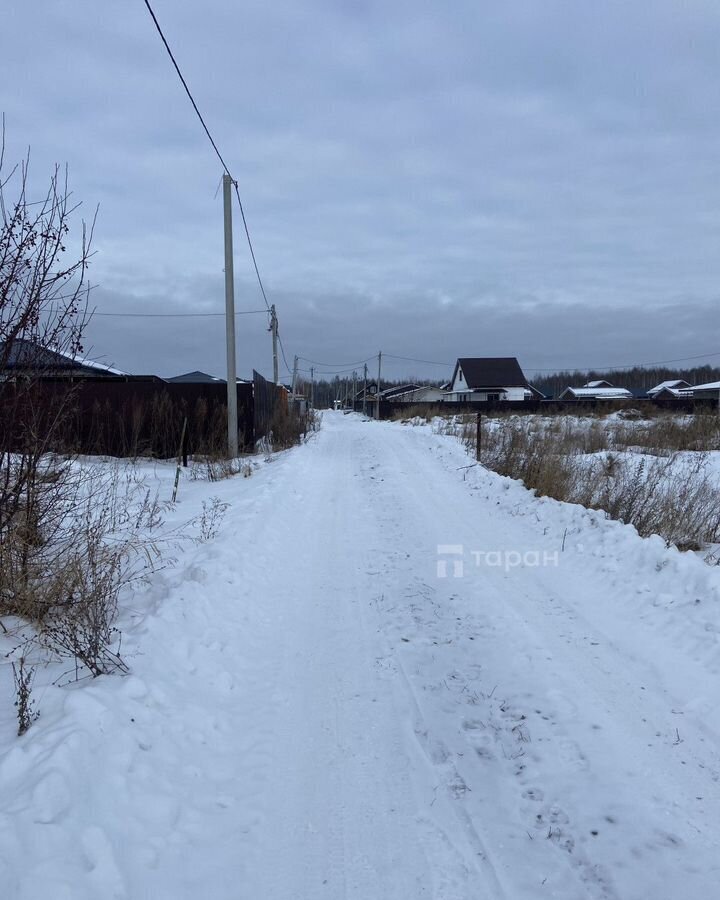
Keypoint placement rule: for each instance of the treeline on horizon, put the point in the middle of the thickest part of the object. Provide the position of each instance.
(635, 379)
(552, 384)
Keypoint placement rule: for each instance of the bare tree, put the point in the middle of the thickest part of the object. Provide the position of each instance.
(43, 314)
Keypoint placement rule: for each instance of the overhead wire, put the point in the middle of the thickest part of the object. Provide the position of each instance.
(215, 148)
(130, 315)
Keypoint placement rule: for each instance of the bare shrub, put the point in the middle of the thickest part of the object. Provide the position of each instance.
(90, 536)
(287, 428)
(24, 704)
(210, 519)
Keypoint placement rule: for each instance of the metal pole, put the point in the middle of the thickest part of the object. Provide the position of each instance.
(312, 388)
(230, 321)
(295, 362)
(377, 394)
(365, 390)
(274, 329)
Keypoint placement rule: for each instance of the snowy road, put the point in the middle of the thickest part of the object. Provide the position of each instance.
(324, 707)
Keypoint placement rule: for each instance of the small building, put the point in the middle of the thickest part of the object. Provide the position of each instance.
(668, 390)
(489, 380)
(709, 391)
(602, 392)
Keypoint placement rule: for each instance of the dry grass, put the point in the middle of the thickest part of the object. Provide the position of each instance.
(659, 491)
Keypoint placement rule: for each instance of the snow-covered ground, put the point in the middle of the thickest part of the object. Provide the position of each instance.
(388, 676)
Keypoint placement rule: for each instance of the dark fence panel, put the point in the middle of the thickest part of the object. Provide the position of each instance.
(267, 397)
(133, 417)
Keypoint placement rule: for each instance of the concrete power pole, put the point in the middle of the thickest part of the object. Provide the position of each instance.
(365, 390)
(232, 421)
(274, 329)
(295, 362)
(312, 387)
(377, 395)
(354, 389)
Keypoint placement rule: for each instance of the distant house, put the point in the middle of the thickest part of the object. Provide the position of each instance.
(669, 389)
(368, 394)
(27, 359)
(709, 391)
(596, 390)
(392, 392)
(489, 380)
(418, 394)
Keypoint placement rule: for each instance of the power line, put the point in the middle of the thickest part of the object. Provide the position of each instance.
(187, 89)
(428, 362)
(282, 351)
(342, 365)
(252, 251)
(242, 312)
(215, 148)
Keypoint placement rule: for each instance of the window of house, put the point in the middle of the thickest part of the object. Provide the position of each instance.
(493, 398)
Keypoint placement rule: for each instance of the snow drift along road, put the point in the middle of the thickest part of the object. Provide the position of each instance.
(320, 710)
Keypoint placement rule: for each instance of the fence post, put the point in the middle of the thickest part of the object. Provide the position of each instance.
(478, 439)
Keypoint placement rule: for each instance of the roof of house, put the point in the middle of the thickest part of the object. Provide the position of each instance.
(710, 386)
(598, 393)
(598, 384)
(24, 354)
(196, 378)
(678, 393)
(491, 372)
(399, 389)
(669, 385)
(413, 389)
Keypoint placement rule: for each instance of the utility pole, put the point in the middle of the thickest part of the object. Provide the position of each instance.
(365, 390)
(377, 393)
(232, 421)
(353, 390)
(295, 362)
(274, 329)
(312, 387)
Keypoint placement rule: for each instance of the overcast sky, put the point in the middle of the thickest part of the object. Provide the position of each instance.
(538, 179)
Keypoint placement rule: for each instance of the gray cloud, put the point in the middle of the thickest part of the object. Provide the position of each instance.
(536, 178)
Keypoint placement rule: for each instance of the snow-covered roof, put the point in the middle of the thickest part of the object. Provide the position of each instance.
(598, 393)
(23, 354)
(710, 386)
(597, 384)
(668, 385)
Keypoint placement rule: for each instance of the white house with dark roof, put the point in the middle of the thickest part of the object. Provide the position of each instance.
(489, 380)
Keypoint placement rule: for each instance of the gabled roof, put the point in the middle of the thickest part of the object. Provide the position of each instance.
(29, 356)
(401, 389)
(598, 393)
(196, 378)
(598, 384)
(491, 372)
(710, 386)
(668, 385)
(676, 393)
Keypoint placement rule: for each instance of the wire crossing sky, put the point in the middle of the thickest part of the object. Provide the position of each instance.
(536, 179)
